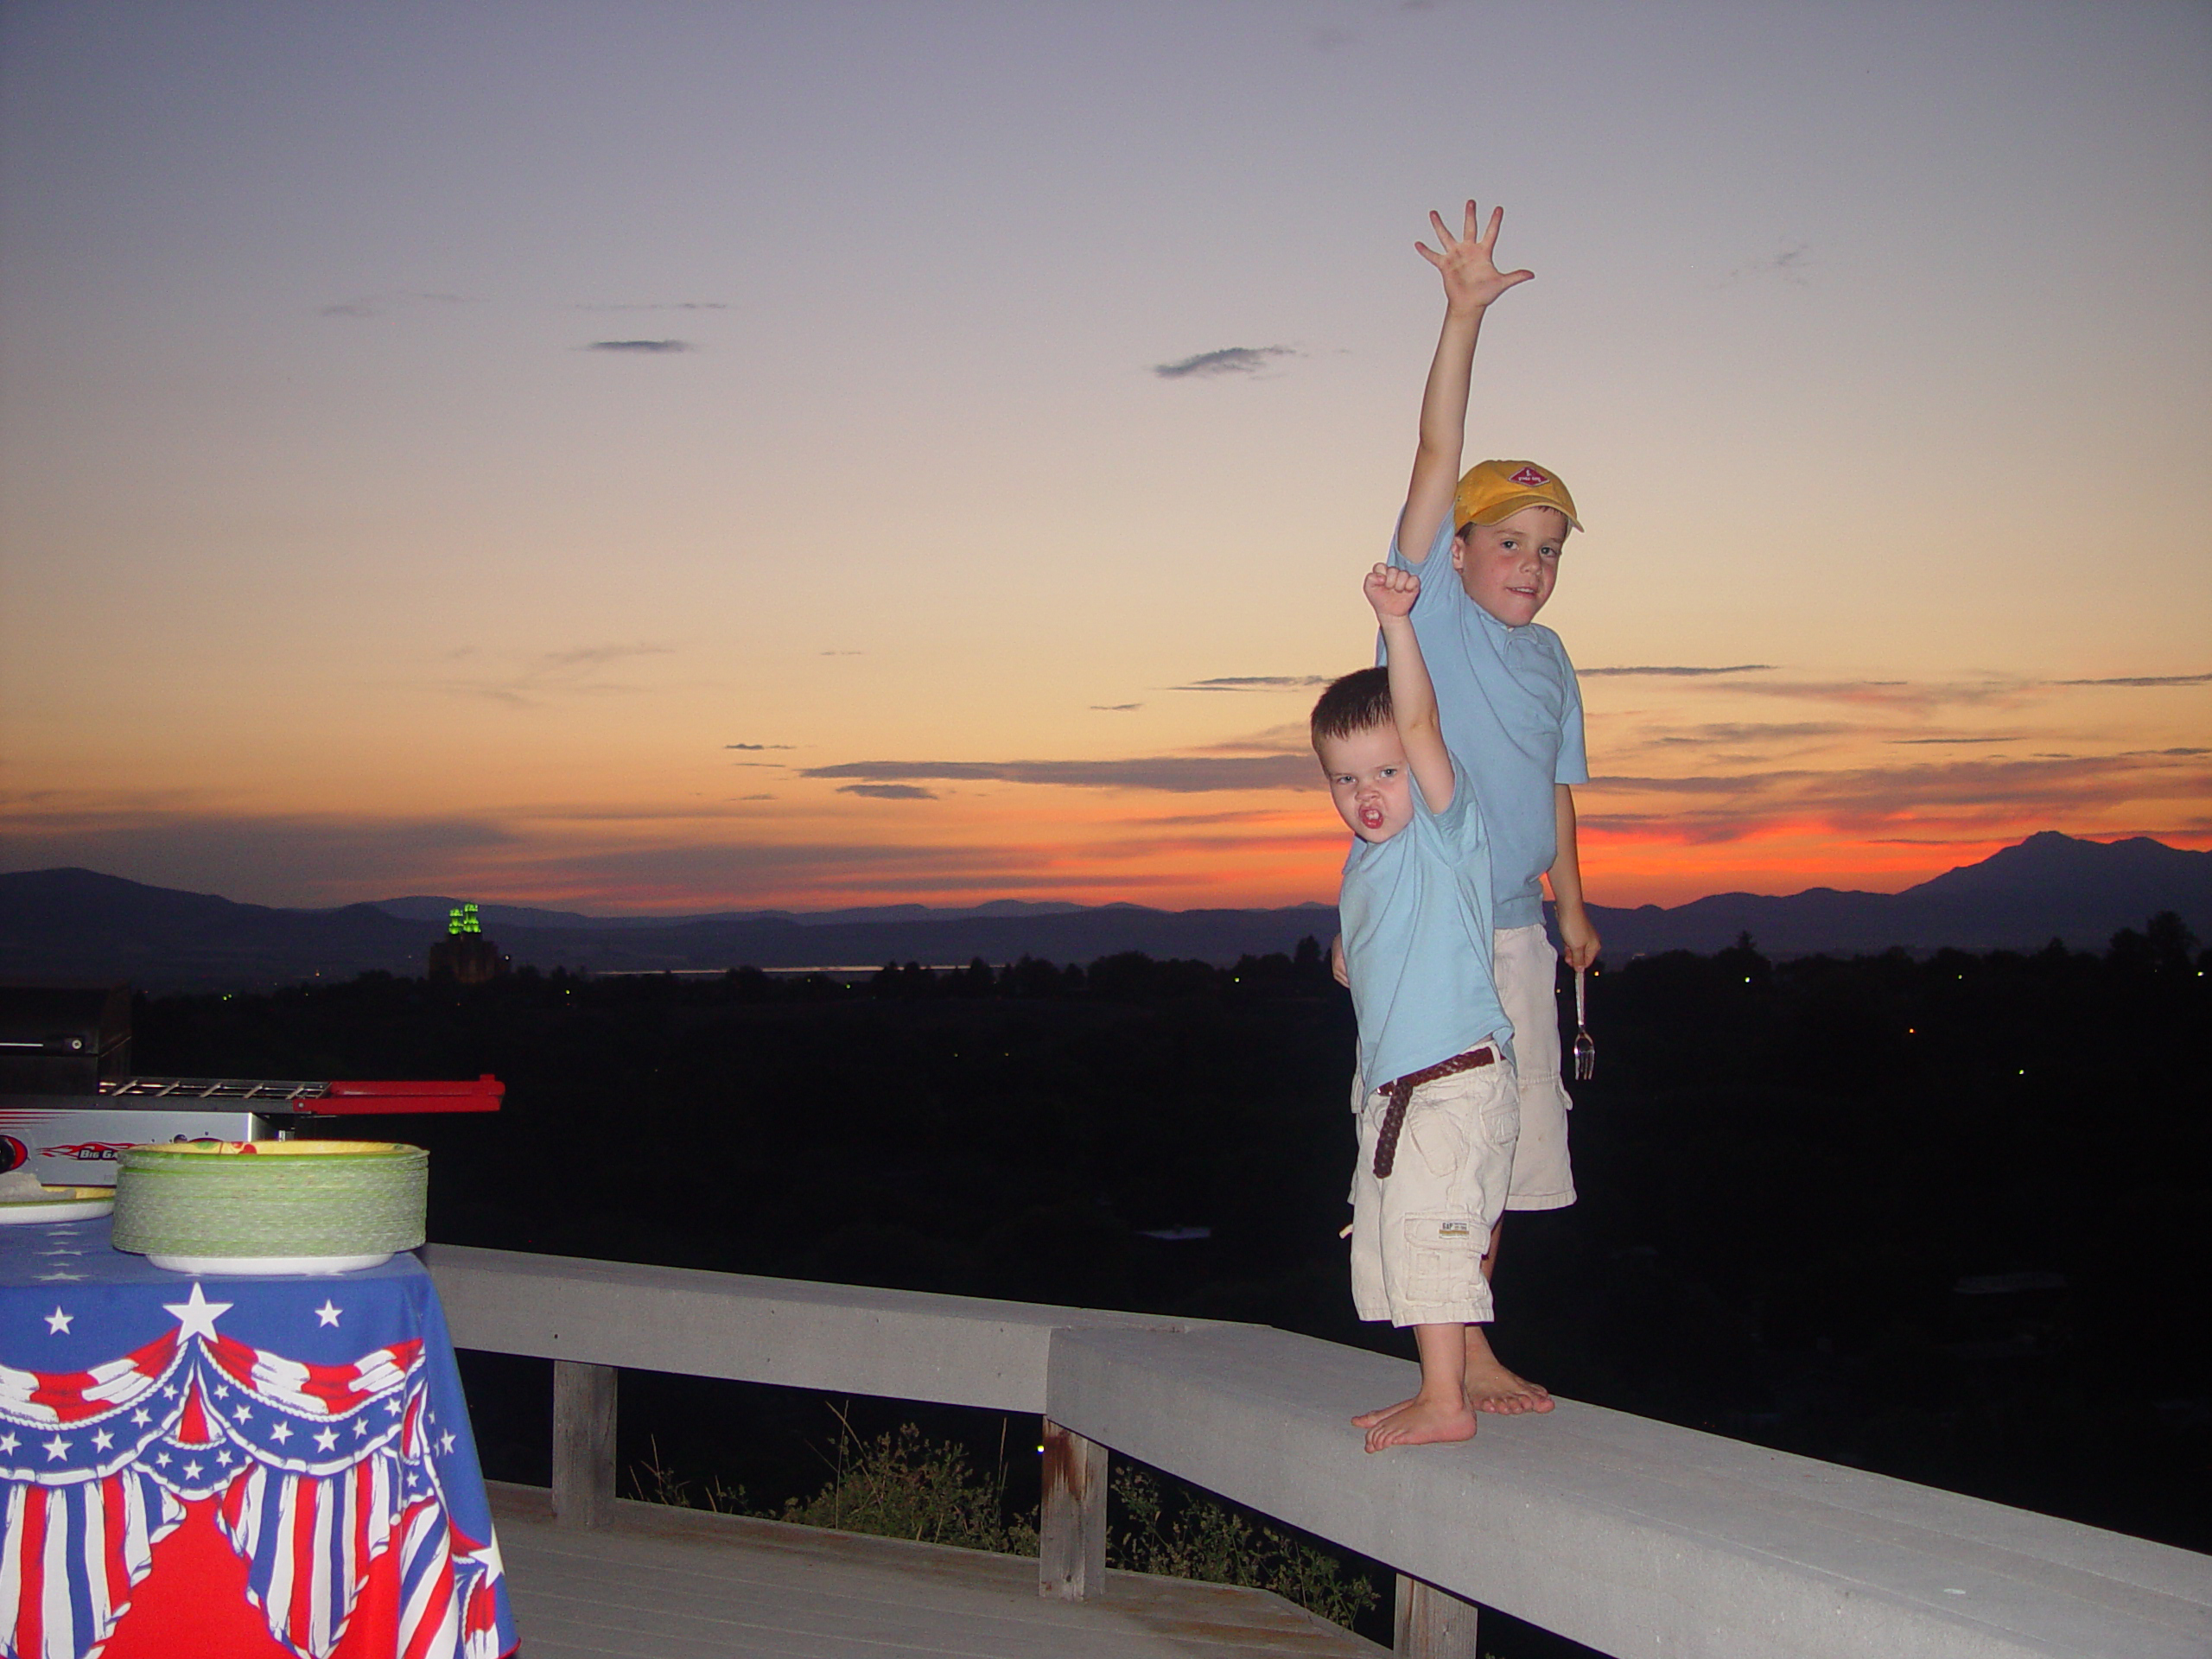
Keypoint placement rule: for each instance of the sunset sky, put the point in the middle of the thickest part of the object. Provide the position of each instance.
(693, 456)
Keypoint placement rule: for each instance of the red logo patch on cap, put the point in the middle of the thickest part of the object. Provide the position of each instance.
(1530, 475)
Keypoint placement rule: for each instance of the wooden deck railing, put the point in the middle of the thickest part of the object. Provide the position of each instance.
(1637, 1538)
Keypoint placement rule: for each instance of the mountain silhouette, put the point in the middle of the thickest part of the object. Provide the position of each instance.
(2047, 886)
(78, 924)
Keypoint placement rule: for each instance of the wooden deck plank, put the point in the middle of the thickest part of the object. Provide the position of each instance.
(679, 1584)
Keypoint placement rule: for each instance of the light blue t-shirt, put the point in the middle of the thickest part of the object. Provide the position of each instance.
(1415, 915)
(1512, 715)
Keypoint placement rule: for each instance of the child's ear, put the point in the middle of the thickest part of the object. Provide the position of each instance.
(1459, 551)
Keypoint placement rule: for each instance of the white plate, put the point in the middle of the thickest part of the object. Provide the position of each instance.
(70, 1208)
(250, 1267)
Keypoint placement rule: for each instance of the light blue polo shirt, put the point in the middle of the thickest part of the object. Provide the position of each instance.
(1512, 715)
(1415, 915)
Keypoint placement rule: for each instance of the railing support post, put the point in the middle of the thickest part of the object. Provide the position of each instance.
(1072, 1524)
(583, 1444)
(1432, 1624)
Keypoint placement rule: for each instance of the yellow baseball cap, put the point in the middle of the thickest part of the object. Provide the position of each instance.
(1498, 489)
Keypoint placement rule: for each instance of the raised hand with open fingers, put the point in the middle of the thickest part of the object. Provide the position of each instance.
(1468, 262)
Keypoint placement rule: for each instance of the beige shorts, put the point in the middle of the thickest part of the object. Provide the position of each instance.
(1526, 966)
(1419, 1235)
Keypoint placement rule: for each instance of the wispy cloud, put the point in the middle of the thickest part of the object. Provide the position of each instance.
(1716, 732)
(382, 305)
(641, 346)
(757, 745)
(1893, 694)
(1230, 359)
(572, 672)
(1178, 774)
(655, 305)
(2001, 794)
(1194, 820)
(2147, 680)
(1791, 264)
(889, 792)
(1257, 682)
(1115, 707)
(207, 849)
(1294, 738)
(1900, 696)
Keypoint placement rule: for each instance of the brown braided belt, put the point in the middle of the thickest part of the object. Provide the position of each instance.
(1400, 1089)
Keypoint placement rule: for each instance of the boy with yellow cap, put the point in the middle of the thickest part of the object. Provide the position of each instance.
(1513, 713)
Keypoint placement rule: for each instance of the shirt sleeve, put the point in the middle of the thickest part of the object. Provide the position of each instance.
(1455, 823)
(1439, 583)
(1573, 765)
(1437, 548)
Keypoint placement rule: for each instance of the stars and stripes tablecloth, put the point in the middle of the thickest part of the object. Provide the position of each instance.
(197, 1464)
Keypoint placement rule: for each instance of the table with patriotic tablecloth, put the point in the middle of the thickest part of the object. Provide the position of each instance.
(222, 1466)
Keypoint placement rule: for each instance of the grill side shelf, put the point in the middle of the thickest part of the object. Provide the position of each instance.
(211, 1089)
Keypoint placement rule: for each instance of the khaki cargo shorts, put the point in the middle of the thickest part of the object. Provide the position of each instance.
(1527, 966)
(1418, 1236)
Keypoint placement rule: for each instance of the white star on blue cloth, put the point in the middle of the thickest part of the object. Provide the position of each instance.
(446, 1441)
(56, 1448)
(102, 1439)
(139, 1418)
(8, 1442)
(57, 1323)
(196, 1315)
(326, 1440)
(192, 1471)
(328, 1312)
(281, 1434)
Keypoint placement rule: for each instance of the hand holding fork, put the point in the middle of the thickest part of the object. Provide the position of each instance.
(1585, 1050)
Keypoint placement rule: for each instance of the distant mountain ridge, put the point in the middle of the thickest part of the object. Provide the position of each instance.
(76, 923)
(2047, 886)
(425, 908)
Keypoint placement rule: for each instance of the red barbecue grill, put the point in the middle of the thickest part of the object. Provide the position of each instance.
(67, 1108)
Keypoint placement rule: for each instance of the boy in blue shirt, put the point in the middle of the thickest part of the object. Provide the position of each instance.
(1513, 713)
(1438, 1108)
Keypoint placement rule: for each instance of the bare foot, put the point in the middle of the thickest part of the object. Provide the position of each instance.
(1369, 1419)
(1423, 1423)
(1491, 1387)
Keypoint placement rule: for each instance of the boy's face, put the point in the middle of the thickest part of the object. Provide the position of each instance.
(1509, 567)
(1369, 781)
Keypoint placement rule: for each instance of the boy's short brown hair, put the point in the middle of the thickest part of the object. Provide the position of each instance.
(1357, 703)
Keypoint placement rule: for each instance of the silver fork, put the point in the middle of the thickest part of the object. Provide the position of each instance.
(1585, 1050)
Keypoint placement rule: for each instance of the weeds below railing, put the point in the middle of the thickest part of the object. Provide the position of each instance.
(903, 1486)
(652, 1483)
(1191, 1535)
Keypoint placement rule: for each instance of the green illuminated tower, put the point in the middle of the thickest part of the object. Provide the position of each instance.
(465, 954)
